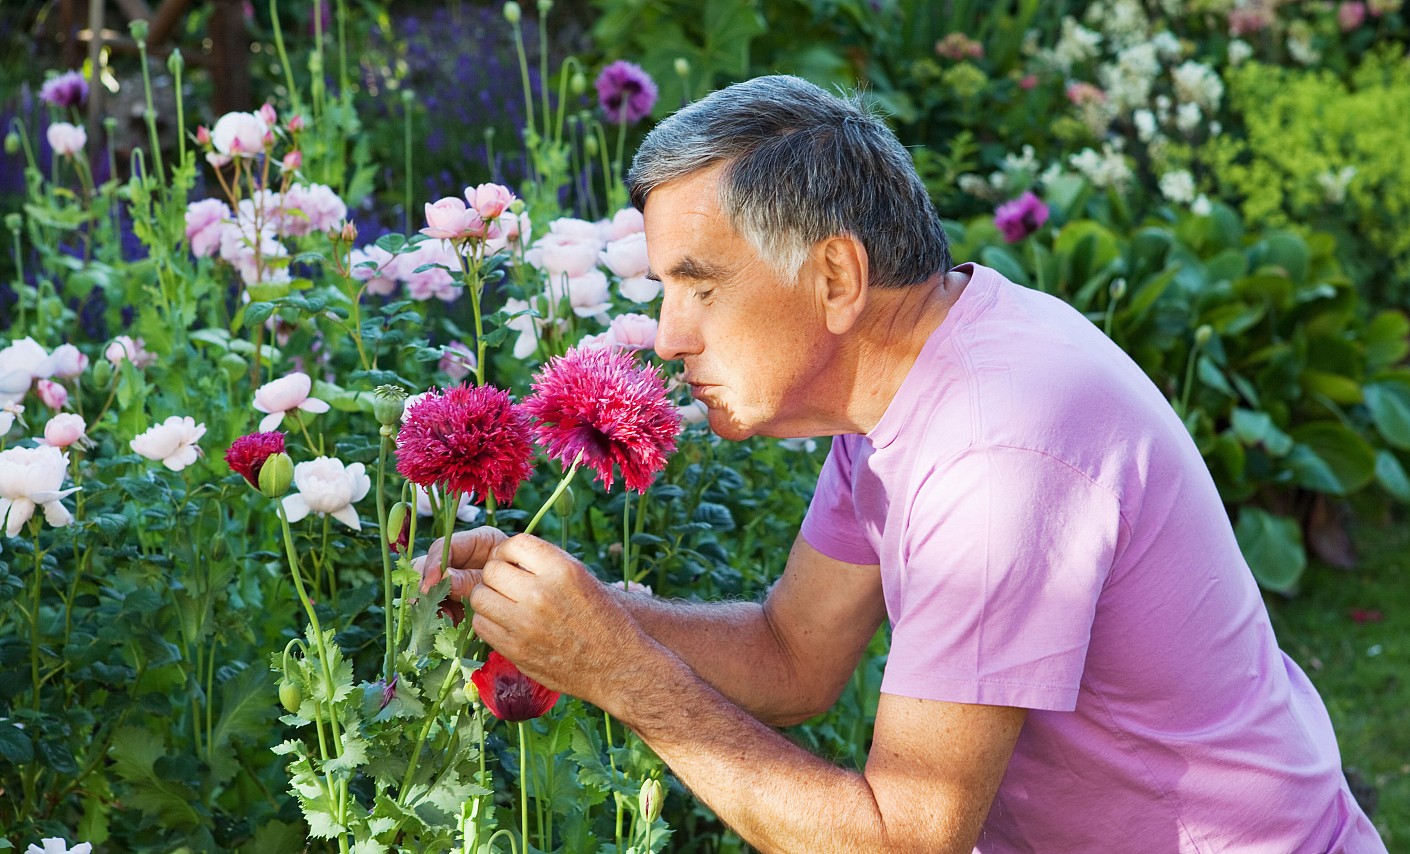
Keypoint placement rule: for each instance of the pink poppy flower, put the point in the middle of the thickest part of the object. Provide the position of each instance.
(286, 394)
(468, 440)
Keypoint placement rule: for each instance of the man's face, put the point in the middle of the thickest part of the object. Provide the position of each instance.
(752, 343)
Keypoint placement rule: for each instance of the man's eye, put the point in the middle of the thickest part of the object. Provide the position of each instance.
(703, 294)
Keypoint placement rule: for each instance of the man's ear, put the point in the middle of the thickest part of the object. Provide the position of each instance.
(842, 270)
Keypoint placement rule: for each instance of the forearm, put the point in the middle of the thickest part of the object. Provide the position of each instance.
(776, 795)
(732, 646)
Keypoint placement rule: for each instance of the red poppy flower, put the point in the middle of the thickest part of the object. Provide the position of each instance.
(615, 412)
(248, 453)
(509, 694)
(469, 440)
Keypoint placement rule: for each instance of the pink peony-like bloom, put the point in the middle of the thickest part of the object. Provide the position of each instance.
(286, 394)
(203, 226)
(632, 332)
(624, 222)
(1350, 16)
(1021, 217)
(69, 89)
(603, 405)
(203, 135)
(625, 92)
(450, 219)
(59, 845)
(434, 281)
(327, 487)
(171, 443)
(247, 454)
(30, 479)
(458, 361)
(67, 140)
(626, 257)
(489, 200)
(21, 363)
(52, 394)
(239, 134)
(588, 294)
(464, 510)
(567, 249)
(68, 361)
(1085, 93)
(371, 265)
(309, 209)
(127, 349)
(64, 429)
(468, 440)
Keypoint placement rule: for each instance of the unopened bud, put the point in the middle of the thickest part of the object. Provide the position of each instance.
(292, 161)
(276, 475)
(651, 799)
(578, 83)
(290, 697)
(296, 124)
(266, 112)
(682, 67)
(471, 693)
(1203, 334)
(1118, 289)
(565, 502)
(399, 527)
(102, 374)
(512, 12)
(12, 143)
(348, 233)
(175, 63)
(545, 6)
(590, 145)
(203, 135)
(138, 29)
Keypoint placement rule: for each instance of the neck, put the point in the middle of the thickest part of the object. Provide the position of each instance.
(880, 350)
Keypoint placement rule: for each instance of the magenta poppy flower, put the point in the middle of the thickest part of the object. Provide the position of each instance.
(1021, 217)
(247, 454)
(469, 440)
(625, 92)
(508, 694)
(603, 405)
(69, 89)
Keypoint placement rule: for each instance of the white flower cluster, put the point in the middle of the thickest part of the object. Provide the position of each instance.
(1122, 22)
(1076, 45)
(1334, 183)
(1107, 168)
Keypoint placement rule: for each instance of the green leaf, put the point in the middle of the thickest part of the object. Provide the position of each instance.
(245, 708)
(717, 516)
(1387, 340)
(257, 312)
(15, 744)
(1391, 475)
(1272, 545)
(1257, 428)
(135, 753)
(1335, 387)
(1351, 458)
(1003, 260)
(1389, 403)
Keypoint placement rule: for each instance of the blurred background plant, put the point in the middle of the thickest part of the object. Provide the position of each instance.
(1216, 183)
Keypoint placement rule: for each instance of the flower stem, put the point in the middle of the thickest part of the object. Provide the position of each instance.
(523, 785)
(34, 613)
(386, 552)
(467, 634)
(552, 499)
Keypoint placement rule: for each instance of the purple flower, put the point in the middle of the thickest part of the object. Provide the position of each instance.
(67, 90)
(625, 92)
(1021, 217)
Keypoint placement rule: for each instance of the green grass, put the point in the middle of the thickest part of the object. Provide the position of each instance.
(1362, 668)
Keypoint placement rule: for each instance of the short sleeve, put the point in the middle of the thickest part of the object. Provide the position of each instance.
(1006, 553)
(831, 525)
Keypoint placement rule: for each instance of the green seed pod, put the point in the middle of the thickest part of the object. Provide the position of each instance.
(139, 28)
(388, 409)
(102, 373)
(564, 504)
(276, 475)
(512, 12)
(398, 531)
(1118, 289)
(590, 145)
(290, 697)
(175, 63)
(13, 221)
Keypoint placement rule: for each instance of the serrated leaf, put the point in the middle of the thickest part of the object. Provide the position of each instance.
(354, 755)
(135, 753)
(245, 710)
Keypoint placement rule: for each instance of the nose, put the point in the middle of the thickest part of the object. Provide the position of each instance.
(677, 330)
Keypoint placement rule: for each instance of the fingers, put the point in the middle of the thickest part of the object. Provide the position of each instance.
(468, 550)
(532, 554)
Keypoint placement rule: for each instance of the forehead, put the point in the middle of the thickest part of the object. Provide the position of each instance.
(683, 217)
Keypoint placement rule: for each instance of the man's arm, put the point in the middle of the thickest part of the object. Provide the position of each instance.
(783, 661)
(933, 767)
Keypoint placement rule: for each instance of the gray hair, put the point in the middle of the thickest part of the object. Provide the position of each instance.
(801, 166)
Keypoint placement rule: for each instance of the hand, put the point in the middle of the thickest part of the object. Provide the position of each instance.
(468, 552)
(543, 610)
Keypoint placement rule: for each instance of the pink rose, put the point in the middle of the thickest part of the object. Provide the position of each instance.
(600, 341)
(639, 289)
(433, 281)
(626, 221)
(267, 114)
(68, 361)
(559, 254)
(286, 394)
(370, 265)
(626, 257)
(53, 394)
(21, 363)
(67, 140)
(326, 486)
(587, 294)
(458, 360)
(203, 219)
(1351, 16)
(632, 332)
(125, 349)
(172, 442)
(311, 208)
(64, 429)
(489, 200)
(450, 219)
(239, 134)
(292, 161)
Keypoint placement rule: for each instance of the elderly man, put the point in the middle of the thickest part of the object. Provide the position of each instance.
(1080, 659)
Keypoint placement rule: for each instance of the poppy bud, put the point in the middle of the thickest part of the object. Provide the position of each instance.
(234, 365)
(102, 373)
(12, 143)
(651, 799)
(682, 66)
(290, 697)
(578, 83)
(399, 527)
(175, 63)
(545, 6)
(1203, 334)
(1118, 289)
(512, 12)
(564, 504)
(13, 221)
(138, 28)
(276, 475)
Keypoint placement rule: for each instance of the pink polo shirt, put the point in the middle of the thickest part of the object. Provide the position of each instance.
(1050, 538)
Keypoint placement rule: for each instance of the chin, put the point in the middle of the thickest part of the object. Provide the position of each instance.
(728, 426)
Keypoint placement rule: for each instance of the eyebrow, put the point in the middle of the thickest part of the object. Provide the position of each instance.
(691, 269)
